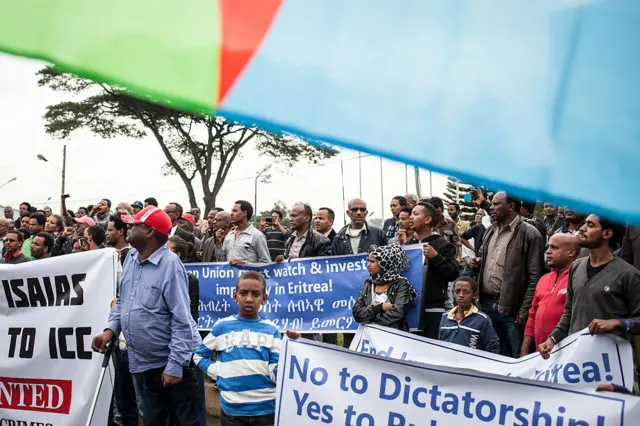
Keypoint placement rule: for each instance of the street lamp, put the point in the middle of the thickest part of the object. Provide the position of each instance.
(255, 189)
(64, 166)
(8, 182)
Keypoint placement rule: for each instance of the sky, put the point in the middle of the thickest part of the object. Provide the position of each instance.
(123, 169)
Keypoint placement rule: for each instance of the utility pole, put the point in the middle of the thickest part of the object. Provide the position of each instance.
(360, 174)
(406, 178)
(8, 182)
(430, 184)
(381, 191)
(255, 188)
(64, 167)
(418, 186)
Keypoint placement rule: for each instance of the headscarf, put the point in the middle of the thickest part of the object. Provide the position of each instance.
(392, 260)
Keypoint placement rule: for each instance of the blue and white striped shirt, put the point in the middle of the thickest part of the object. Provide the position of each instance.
(247, 353)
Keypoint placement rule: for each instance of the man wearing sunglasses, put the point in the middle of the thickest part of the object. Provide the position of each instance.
(358, 236)
(12, 244)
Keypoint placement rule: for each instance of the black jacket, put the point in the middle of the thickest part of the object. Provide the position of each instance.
(399, 294)
(194, 296)
(523, 267)
(62, 245)
(477, 233)
(187, 236)
(538, 224)
(371, 236)
(314, 246)
(630, 252)
(437, 273)
(16, 260)
(331, 235)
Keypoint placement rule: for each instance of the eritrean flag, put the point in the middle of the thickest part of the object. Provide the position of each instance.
(541, 97)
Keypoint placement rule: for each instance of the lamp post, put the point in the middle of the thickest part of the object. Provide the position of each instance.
(8, 182)
(255, 188)
(64, 166)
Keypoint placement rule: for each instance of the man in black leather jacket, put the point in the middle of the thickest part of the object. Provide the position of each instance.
(358, 234)
(304, 240)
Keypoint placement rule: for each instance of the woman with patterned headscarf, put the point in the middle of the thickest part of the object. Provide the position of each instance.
(385, 295)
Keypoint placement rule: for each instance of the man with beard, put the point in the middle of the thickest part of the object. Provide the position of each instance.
(511, 262)
(550, 216)
(603, 291)
(116, 236)
(25, 211)
(572, 222)
(41, 246)
(101, 212)
(246, 244)
(304, 241)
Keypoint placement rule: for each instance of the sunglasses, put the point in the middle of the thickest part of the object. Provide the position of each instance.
(358, 209)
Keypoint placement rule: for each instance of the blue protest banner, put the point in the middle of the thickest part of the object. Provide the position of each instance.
(310, 295)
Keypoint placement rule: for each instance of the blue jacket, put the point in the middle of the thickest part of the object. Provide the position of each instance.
(474, 331)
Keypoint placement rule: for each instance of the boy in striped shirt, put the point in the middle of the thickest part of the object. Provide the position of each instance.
(247, 350)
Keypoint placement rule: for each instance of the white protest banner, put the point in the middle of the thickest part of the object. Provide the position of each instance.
(323, 384)
(580, 359)
(49, 311)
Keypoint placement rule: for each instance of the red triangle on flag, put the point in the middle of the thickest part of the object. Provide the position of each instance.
(244, 24)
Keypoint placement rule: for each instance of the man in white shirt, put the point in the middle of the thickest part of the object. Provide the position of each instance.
(245, 244)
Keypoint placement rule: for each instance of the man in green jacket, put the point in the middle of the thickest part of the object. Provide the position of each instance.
(36, 225)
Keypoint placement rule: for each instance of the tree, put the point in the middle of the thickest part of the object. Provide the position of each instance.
(194, 144)
(454, 193)
(281, 206)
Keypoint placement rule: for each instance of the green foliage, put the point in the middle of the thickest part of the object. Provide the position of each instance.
(454, 193)
(282, 207)
(195, 145)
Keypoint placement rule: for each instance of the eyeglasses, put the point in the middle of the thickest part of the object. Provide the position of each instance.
(358, 209)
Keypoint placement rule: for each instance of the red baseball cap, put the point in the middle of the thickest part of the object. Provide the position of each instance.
(153, 217)
(190, 218)
(85, 219)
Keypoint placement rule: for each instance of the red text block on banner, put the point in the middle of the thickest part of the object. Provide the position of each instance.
(43, 395)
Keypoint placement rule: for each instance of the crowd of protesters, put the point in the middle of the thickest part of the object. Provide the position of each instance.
(510, 283)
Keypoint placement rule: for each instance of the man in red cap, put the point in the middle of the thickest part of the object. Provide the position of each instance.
(153, 313)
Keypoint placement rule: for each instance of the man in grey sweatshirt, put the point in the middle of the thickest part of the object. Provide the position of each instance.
(603, 291)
